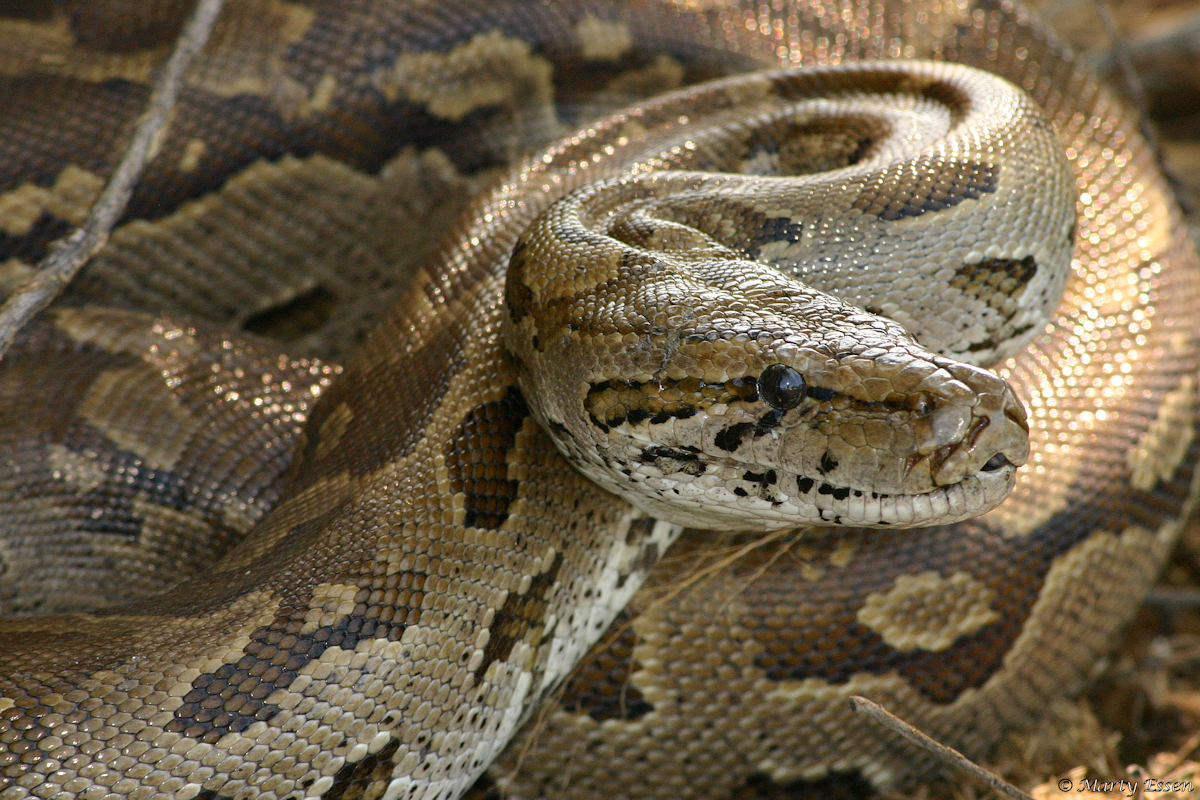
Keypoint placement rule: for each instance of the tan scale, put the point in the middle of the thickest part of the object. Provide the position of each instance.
(928, 611)
(394, 592)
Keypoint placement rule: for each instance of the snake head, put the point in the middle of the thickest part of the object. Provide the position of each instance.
(671, 336)
(722, 395)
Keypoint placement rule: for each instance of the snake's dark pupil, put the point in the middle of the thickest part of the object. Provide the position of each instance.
(781, 386)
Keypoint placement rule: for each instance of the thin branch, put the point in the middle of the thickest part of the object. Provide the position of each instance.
(945, 754)
(70, 254)
(1173, 597)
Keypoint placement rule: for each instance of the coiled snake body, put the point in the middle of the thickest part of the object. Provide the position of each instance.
(431, 569)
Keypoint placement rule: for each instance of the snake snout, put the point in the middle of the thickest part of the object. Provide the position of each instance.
(985, 435)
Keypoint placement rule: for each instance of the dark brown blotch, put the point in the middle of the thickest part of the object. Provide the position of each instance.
(774, 229)
(96, 27)
(352, 781)
(730, 439)
(233, 696)
(520, 615)
(477, 459)
(1006, 276)
(828, 642)
(518, 297)
(398, 396)
(600, 685)
(837, 785)
(933, 187)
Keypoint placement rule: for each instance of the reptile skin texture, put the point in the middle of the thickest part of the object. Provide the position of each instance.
(286, 510)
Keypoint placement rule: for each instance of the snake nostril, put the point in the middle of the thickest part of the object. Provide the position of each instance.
(998, 461)
(1015, 412)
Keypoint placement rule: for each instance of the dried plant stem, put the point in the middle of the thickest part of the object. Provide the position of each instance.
(946, 754)
(1174, 597)
(68, 255)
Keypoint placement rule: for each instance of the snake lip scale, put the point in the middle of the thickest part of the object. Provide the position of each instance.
(897, 282)
(767, 497)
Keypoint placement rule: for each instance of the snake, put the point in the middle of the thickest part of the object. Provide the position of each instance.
(781, 352)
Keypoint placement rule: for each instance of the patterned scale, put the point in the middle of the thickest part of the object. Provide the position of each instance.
(193, 612)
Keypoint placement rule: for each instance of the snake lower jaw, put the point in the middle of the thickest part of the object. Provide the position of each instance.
(674, 487)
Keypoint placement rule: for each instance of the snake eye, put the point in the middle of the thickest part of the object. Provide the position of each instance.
(781, 386)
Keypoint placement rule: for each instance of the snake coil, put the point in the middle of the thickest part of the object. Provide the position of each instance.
(235, 571)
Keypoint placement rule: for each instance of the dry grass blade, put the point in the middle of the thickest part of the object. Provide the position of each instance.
(70, 254)
(947, 755)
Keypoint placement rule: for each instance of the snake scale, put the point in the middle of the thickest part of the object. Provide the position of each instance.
(232, 568)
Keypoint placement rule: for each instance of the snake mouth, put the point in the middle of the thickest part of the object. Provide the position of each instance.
(684, 486)
(966, 498)
(996, 462)
(752, 459)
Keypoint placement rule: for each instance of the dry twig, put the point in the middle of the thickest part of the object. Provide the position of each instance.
(947, 755)
(70, 254)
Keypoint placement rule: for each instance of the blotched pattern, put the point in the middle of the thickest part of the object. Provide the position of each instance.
(432, 568)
